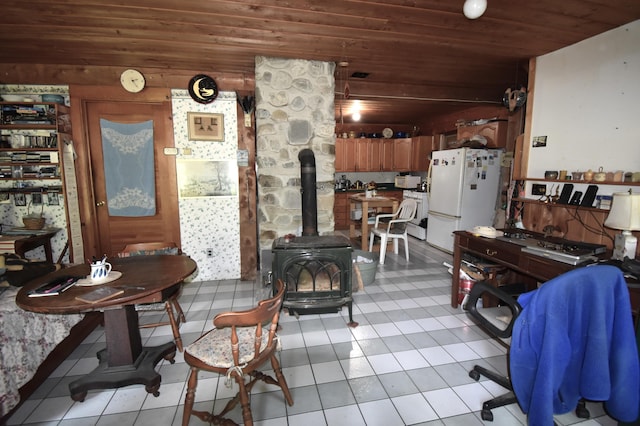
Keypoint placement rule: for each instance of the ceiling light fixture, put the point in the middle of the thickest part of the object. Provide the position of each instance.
(356, 116)
(473, 9)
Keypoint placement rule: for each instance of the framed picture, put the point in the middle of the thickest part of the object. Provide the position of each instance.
(53, 198)
(4, 198)
(36, 198)
(207, 178)
(20, 199)
(205, 126)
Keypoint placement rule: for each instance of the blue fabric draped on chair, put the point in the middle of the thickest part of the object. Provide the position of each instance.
(129, 169)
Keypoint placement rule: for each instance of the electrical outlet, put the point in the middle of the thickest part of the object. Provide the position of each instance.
(209, 252)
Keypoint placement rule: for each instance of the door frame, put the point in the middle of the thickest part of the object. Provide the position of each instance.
(79, 97)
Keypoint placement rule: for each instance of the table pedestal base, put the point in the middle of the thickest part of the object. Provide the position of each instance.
(142, 371)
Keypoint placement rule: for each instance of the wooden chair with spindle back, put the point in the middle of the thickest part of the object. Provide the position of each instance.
(172, 307)
(240, 343)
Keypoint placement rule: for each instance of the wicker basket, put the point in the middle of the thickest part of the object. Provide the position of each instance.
(33, 220)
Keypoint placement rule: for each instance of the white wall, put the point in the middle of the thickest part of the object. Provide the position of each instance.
(209, 222)
(586, 101)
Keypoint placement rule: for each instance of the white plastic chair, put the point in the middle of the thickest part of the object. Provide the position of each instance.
(395, 228)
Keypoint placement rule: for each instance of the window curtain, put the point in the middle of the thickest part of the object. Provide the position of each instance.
(129, 168)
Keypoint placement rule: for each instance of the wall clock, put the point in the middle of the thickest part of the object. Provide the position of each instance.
(132, 80)
(203, 89)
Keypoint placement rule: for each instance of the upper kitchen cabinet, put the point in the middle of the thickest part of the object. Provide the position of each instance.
(381, 155)
(402, 151)
(422, 146)
(352, 155)
(362, 155)
(495, 132)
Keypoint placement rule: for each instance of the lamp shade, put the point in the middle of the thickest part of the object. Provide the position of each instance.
(625, 212)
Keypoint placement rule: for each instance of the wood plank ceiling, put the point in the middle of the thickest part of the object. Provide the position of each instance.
(422, 56)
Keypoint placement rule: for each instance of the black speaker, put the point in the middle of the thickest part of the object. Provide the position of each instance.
(575, 200)
(589, 196)
(565, 195)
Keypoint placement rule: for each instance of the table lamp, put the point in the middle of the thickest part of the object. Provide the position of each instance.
(624, 215)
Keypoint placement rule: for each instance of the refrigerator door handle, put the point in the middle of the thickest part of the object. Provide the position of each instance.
(443, 215)
(429, 178)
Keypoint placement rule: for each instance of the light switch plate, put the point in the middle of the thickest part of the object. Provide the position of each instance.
(171, 151)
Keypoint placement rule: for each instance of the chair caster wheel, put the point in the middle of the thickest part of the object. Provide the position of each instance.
(582, 411)
(474, 375)
(486, 415)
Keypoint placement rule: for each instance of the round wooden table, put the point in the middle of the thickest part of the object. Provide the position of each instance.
(124, 361)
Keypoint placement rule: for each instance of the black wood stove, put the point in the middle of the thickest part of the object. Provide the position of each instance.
(316, 269)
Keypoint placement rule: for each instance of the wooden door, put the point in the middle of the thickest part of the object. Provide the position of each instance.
(107, 234)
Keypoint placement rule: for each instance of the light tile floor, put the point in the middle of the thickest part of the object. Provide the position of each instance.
(406, 363)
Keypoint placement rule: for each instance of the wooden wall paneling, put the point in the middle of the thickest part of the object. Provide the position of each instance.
(248, 199)
(571, 222)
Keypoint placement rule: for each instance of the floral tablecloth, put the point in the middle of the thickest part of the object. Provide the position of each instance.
(26, 339)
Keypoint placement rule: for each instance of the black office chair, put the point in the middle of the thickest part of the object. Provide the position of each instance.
(584, 292)
(498, 322)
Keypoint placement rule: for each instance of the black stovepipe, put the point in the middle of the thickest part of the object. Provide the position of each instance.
(308, 192)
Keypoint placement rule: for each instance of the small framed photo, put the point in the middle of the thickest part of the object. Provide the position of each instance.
(205, 126)
(5, 198)
(20, 199)
(53, 198)
(36, 198)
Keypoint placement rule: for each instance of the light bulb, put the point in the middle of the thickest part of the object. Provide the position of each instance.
(356, 116)
(473, 9)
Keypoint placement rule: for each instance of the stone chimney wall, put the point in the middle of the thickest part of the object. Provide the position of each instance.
(294, 110)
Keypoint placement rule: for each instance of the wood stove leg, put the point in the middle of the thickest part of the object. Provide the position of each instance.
(351, 322)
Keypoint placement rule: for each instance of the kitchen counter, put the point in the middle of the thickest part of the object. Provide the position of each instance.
(381, 187)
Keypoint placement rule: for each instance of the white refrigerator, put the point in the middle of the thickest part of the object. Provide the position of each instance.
(463, 189)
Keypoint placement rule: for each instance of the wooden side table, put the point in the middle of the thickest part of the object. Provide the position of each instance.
(366, 203)
(124, 361)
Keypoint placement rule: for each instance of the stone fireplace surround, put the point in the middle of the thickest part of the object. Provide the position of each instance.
(294, 111)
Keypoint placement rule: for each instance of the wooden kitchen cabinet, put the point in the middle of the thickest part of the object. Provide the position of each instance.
(341, 158)
(402, 150)
(388, 146)
(495, 132)
(381, 155)
(422, 146)
(341, 210)
(362, 161)
(352, 155)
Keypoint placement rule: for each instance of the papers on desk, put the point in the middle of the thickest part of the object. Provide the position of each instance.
(54, 287)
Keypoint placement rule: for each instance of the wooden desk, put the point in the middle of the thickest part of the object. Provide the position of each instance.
(25, 240)
(387, 203)
(124, 361)
(502, 253)
(511, 256)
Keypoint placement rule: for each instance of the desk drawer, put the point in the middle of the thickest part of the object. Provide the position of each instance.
(491, 249)
(543, 268)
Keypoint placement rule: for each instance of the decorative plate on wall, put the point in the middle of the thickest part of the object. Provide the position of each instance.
(203, 89)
